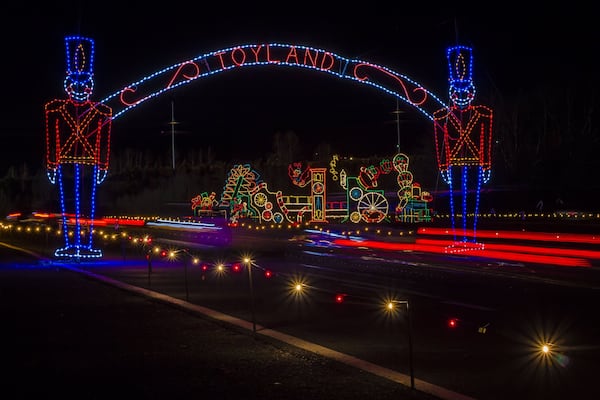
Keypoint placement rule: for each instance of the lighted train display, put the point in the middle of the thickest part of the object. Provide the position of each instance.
(247, 198)
(363, 200)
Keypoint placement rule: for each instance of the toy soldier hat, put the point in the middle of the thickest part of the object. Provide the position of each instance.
(80, 57)
(460, 65)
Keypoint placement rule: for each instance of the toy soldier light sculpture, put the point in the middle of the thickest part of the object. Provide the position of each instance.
(463, 138)
(77, 147)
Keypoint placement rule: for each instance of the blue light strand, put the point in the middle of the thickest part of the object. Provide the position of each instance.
(62, 206)
(452, 214)
(477, 196)
(464, 202)
(345, 62)
(92, 211)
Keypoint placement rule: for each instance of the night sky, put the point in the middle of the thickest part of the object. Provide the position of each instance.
(237, 113)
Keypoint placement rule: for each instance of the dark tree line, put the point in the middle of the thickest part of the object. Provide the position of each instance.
(548, 141)
(546, 144)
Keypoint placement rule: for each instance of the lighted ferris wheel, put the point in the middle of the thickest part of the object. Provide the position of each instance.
(371, 207)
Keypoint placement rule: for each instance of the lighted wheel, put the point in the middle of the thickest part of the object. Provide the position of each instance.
(373, 207)
(260, 199)
(355, 193)
(355, 217)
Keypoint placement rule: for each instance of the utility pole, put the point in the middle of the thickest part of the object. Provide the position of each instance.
(172, 123)
(173, 132)
(398, 112)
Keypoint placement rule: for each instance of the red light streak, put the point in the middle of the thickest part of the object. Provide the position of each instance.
(536, 236)
(528, 254)
(523, 249)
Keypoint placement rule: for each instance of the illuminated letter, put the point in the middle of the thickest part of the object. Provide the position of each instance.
(309, 56)
(292, 54)
(256, 51)
(220, 55)
(128, 90)
(269, 56)
(233, 53)
(326, 57)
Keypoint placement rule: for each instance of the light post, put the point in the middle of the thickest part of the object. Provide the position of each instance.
(298, 292)
(47, 231)
(248, 262)
(185, 275)
(123, 249)
(185, 272)
(390, 306)
(149, 259)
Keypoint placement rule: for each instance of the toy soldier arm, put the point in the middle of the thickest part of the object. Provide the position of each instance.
(103, 141)
(52, 128)
(105, 124)
(52, 134)
(486, 138)
(440, 130)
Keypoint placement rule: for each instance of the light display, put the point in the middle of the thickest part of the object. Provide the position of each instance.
(463, 138)
(77, 148)
(273, 54)
(78, 132)
(362, 200)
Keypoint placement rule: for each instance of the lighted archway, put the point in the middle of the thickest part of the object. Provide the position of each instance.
(270, 54)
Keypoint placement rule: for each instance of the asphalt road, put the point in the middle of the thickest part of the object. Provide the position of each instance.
(66, 336)
(490, 366)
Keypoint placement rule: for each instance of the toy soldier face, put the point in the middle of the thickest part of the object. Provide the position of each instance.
(79, 86)
(462, 93)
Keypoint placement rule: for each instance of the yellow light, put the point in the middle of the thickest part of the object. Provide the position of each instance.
(545, 349)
